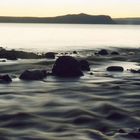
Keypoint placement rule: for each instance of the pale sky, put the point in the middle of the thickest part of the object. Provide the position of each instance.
(43, 8)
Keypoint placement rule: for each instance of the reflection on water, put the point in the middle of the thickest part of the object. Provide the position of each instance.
(68, 36)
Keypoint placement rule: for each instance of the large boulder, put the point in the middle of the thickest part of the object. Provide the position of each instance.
(50, 55)
(115, 68)
(5, 79)
(33, 75)
(67, 66)
(84, 65)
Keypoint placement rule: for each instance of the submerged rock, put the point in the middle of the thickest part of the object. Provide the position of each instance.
(134, 71)
(33, 75)
(2, 60)
(67, 66)
(114, 53)
(115, 68)
(121, 131)
(5, 79)
(84, 65)
(50, 55)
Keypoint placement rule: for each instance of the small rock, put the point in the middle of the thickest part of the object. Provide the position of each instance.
(33, 75)
(5, 79)
(115, 68)
(103, 52)
(75, 52)
(114, 53)
(2, 60)
(134, 71)
(91, 73)
(50, 55)
(121, 131)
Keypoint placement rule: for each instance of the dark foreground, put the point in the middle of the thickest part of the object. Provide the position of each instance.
(101, 105)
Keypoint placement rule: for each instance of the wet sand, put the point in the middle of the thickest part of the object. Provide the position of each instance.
(100, 105)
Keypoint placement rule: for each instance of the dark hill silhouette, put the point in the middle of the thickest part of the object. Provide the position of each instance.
(74, 18)
(135, 21)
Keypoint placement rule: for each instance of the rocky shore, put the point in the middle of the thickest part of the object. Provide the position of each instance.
(90, 94)
(66, 64)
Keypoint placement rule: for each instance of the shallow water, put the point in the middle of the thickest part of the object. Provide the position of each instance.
(40, 37)
(93, 107)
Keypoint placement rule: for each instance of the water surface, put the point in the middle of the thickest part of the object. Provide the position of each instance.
(68, 36)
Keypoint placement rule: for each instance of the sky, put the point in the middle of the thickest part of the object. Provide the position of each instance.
(48, 8)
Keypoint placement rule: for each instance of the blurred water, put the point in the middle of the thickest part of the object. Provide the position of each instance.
(40, 37)
(102, 106)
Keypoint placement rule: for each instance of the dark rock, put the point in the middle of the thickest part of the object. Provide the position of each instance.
(75, 52)
(91, 73)
(67, 66)
(33, 75)
(103, 52)
(114, 53)
(2, 60)
(14, 55)
(84, 65)
(50, 55)
(121, 131)
(134, 71)
(5, 79)
(115, 68)
(11, 57)
(96, 53)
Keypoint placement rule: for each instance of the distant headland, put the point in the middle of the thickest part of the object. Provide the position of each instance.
(81, 18)
(70, 19)
(132, 21)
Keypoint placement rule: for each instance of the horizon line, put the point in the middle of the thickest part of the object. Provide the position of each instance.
(67, 15)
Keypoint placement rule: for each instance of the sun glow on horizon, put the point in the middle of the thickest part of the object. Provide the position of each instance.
(48, 8)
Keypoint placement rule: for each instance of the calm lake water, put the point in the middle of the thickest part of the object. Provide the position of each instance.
(42, 37)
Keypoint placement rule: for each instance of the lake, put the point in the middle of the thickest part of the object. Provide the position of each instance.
(100, 105)
(40, 37)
